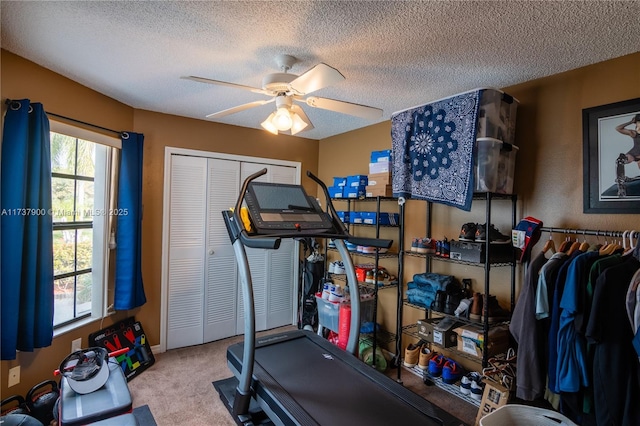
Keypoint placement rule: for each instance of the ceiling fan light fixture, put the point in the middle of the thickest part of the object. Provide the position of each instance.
(268, 124)
(282, 119)
(298, 124)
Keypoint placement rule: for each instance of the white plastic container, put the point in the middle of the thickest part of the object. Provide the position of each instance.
(494, 166)
(524, 415)
(497, 116)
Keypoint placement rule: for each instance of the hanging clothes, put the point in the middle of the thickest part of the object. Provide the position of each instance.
(530, 381)
(615, 367)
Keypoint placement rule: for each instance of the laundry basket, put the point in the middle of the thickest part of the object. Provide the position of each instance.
(524, 415)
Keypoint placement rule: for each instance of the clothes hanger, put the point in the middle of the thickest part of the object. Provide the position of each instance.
(549, 245)
(585, 245)
(573, 247)
(565, 244)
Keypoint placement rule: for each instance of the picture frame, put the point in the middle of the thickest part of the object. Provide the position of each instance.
(611, 157)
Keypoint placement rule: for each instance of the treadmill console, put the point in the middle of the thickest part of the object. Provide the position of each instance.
(278, 207)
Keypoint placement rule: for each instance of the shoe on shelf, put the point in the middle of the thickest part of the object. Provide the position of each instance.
(451, 302)
(465, 385)
(475, 313)
(451, 372)
(468, 232)
(438, 248)
(446, 248)
(439, 301)
(370, 276)
(338, 267)
(436, 363)
(477, 386)
(463, 308)
(496, 312)
(494, 235)
(412, 354)
(414, 245)
(331, 244)
(425, 246)
(425, 355)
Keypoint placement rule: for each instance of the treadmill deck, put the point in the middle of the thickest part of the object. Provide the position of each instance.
(306, 380)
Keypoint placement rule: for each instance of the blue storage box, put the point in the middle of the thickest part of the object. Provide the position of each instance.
(357, 180)
(354, 191)
(343, 216)
(381, 156)
(336, 191)
(339, 181)
(368, 217)
(389, 219)
(355, 217)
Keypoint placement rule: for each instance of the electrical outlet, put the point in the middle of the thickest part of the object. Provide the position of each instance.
(14, 376)
(76, 345)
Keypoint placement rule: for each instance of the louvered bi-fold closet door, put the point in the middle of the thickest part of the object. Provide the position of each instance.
(186, 251)
(221, 274)
(272, 271)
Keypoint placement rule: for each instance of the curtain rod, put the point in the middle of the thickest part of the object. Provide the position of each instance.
(597, 233)
(95, 126)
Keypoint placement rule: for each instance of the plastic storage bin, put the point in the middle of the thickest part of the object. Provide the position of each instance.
(497, 116)
(494, 166)
(523, 415)
(328, 313)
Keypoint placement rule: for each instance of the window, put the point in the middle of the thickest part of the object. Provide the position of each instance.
(80, 191)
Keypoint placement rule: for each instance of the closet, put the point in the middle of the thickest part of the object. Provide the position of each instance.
(202, 301)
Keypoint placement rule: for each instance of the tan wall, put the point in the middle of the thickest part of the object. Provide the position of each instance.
(548, 179)
(24, 79)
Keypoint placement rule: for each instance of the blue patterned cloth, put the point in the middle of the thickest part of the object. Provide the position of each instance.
(433, 150)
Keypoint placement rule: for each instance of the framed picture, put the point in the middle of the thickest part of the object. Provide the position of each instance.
(611, 155)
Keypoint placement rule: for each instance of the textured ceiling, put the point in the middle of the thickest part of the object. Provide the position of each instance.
(394, 55)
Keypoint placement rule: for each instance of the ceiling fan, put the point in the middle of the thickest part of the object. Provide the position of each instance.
(285, 88)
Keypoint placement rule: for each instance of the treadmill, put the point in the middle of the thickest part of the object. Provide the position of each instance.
(298, 377)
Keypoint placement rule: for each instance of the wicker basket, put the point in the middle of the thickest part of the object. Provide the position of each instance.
(524, 415)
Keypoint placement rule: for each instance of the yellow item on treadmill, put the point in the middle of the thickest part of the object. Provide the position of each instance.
(246, 220)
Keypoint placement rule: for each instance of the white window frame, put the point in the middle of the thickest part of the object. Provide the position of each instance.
(103, 284)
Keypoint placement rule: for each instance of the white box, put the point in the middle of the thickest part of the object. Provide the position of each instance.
(379, 167)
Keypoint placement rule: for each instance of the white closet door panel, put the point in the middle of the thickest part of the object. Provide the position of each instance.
(281, 285)
(186, 251)
(221, 280)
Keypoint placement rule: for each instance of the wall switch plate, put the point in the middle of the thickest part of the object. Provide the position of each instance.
(14, 376)
(76, 345)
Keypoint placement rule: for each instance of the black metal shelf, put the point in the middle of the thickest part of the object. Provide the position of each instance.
(343, 277)
(388, 255)
(460, 262)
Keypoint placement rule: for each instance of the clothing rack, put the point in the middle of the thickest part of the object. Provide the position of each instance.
(597, 233)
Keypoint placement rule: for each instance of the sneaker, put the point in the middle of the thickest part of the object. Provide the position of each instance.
(331, 244)
(465, 385)
(446, 248)
(338, 268)
(369, 277)
(425, 356)
(336, 294)
(411, 354)
(468, 232)
(477, 386)
(436, 363)
(494, 235)
(414, 245)
(451, 302)
(451, 372)
(438, 248)
(463, 308)
(332, 267)
(425, 245)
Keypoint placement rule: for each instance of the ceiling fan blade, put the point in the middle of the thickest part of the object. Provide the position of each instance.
(358, 110)
(298, 110)
(322, 75)
(239, 108)
(225, 83)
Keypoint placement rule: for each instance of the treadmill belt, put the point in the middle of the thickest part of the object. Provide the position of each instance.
(334, 388)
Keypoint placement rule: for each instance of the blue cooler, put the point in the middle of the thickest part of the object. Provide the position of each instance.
(113, 399)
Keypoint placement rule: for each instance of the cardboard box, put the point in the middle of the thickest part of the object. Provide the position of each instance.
(336, 191)
(470, 340)
(439, 331)
(354, 191)
(379, 167)
(379, 191)
(379, 179)
(493, 397)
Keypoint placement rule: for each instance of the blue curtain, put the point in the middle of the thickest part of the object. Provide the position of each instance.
(27, 230)
(129, 290)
